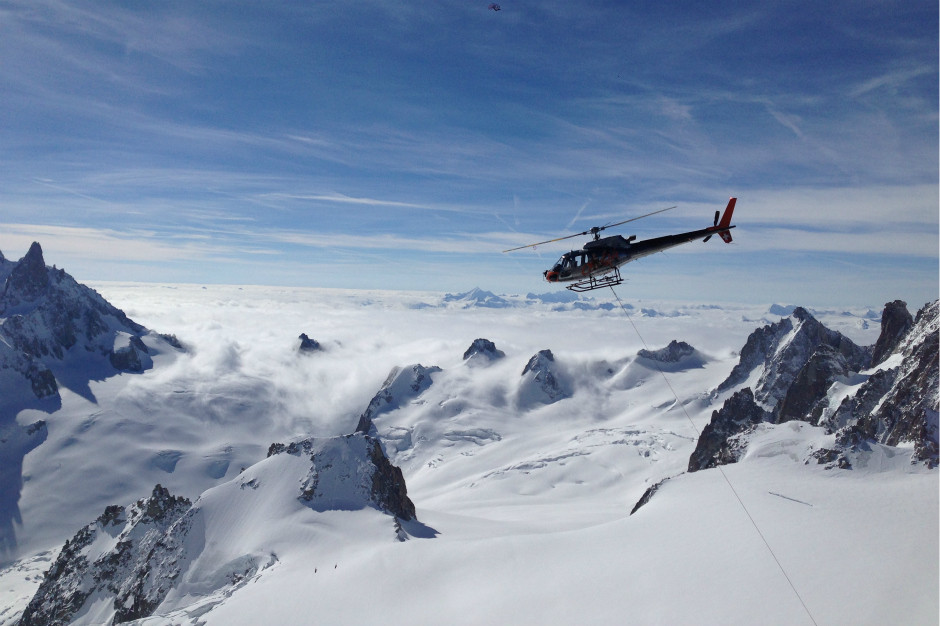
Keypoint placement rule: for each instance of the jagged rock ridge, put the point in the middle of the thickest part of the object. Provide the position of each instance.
(672, 353)
(896, 403)
(129, 554)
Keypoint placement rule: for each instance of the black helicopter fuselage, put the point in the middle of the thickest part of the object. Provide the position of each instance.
(605, 255)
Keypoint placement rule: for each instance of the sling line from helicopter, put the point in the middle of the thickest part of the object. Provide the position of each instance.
(734, 491)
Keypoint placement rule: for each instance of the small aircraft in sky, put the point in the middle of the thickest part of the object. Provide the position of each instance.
(598, 263)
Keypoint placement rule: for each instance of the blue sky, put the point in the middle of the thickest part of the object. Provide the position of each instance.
(404, 145)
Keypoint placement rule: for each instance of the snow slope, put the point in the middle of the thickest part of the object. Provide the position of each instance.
(526, 505)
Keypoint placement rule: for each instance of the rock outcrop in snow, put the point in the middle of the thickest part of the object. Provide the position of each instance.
(676, 356)
(350, 473)
(718, 444)
(672, 353)
(806, 395)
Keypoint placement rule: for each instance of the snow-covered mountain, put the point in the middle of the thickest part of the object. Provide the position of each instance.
(284, 493)
(164, 550)
(56, 337)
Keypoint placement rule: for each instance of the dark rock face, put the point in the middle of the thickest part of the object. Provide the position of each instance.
(142, 555)
(388, 486)
(811, 384)
(41, 380)
(28, 280)
(308, 345)
(483, 349)
(896, 321)
(716, 445)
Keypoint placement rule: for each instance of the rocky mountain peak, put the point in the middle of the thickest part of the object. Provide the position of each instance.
(308, 345)
(541, 382)
(777, 352)
(672, 353)
(483, 349)
(28, 279)
(402, 385)
(539, 362)
(48, 319)
(795, 363)
(896, 321)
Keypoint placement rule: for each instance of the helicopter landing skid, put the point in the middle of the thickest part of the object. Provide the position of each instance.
(597, 282)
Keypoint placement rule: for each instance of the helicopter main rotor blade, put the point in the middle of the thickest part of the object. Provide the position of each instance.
(532, 245)
(633, 219)
(589, 231)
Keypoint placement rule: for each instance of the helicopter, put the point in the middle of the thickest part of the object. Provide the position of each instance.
(597, 264)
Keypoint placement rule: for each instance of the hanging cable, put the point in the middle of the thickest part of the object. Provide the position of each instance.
(719, 467)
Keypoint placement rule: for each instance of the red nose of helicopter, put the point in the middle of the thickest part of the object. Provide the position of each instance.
(551, 276)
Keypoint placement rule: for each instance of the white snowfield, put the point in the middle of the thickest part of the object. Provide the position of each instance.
(523, 497)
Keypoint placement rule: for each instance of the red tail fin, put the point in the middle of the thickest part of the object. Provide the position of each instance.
(726, 217)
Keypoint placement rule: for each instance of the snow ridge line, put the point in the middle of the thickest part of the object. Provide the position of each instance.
(719, 467)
